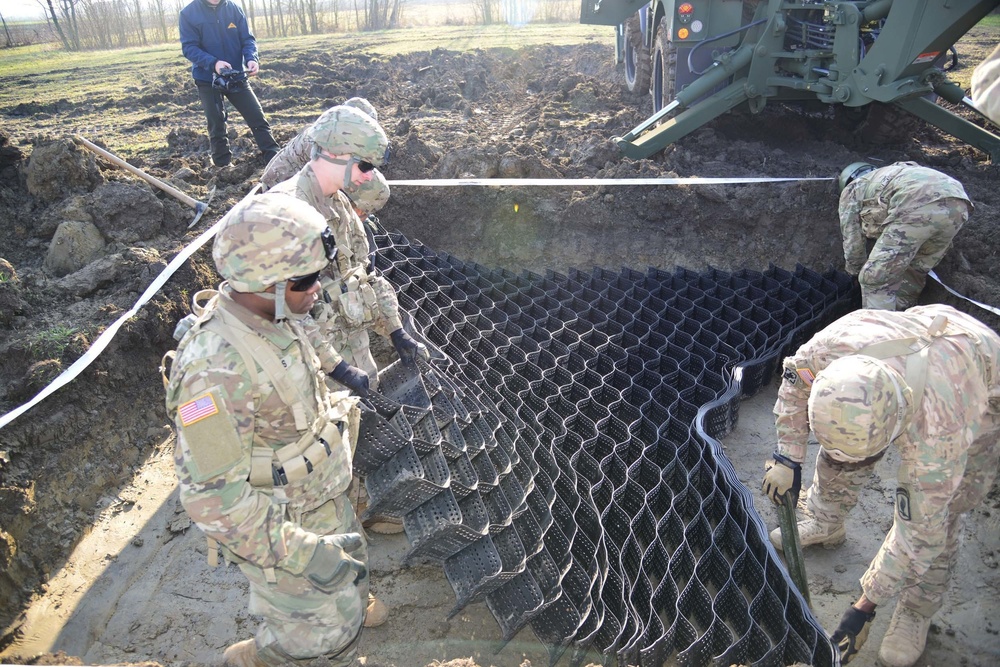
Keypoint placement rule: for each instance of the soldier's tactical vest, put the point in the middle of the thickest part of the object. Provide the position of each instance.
(336, 417)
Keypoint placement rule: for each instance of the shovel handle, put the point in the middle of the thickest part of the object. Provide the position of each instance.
(111, 157)
(791, 545)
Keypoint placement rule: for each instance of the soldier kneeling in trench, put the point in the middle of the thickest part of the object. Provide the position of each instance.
(925, 380)
(264, 446)
(913, 212)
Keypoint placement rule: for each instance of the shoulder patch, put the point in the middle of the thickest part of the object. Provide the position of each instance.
(807, 375)
(790, 376)
(195, 410)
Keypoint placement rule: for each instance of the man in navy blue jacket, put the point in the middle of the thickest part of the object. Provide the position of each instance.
(215, 37)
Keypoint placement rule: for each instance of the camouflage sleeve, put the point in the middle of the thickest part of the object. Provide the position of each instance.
(926, 486)
(329, 356)
(212, 407)
(791, 421)
(387, 317)
(854, 238)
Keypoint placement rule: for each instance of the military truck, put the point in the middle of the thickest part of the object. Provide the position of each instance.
(701, 58)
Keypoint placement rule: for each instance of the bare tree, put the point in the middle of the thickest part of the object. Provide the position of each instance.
(10, 42)
(160, 12)
(377, 14)
(55, 22)
(138, 20)
(486, 11)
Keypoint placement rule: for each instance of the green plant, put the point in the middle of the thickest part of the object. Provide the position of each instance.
(50, 343)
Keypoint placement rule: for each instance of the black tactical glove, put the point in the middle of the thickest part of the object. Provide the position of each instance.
(781, 474)
(406, 347)
(351, 377)
(332, 564)
(852, 632)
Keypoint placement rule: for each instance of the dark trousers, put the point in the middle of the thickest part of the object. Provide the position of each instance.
(246, 103)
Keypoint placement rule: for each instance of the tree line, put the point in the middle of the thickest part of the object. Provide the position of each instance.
(82, 25)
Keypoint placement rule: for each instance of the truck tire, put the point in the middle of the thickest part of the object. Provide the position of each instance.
(637, 60)
(664, 86)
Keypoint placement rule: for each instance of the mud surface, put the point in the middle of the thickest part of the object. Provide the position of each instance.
(96, 559)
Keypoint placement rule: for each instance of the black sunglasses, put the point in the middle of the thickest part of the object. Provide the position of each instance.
(304, 283)
(364, 166)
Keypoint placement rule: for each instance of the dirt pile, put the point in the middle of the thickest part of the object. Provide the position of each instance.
(80, 240)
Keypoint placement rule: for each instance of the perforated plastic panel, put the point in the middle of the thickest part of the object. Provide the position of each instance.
(559, 455)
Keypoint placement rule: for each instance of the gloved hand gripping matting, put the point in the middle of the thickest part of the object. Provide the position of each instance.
(557, 453)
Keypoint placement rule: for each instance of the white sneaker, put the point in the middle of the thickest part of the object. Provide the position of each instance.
(812, 531)
(905, 639)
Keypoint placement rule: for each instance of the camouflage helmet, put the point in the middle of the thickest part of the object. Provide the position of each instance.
(371, 195)
(345, 130)
(857, 406)
(269, 238)
(362, 104)
(851, 172)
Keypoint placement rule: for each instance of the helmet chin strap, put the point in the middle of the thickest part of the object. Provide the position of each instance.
(279, 301)
(348, 184)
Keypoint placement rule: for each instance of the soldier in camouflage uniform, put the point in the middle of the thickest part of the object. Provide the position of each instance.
(346, 146)
(294, 155)
(264, 447)
(913, 213)
(925, 380)
(355, 299)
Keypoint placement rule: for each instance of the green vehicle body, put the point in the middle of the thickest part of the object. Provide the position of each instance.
(709, 56)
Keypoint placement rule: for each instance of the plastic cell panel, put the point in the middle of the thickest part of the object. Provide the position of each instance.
(565, 370)
(378, 441)
(405, 481)
(443, 526)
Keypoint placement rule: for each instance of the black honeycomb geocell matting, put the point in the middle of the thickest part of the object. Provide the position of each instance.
(557, 454)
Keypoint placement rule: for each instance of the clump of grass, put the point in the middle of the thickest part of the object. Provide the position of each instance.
(51, 343)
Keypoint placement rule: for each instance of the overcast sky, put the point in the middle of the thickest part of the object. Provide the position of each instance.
(20, 9)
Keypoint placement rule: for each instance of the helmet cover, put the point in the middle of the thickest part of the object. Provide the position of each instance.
(371, 195)
(857, 406)
(344, 130)
(851, 172)
(267, 239)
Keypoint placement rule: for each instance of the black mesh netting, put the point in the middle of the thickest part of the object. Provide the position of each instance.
(557, 455)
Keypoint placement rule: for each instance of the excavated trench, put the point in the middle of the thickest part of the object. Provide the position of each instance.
(558, 455)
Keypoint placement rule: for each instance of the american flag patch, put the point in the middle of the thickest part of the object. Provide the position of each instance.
(198, 409)
(807, 375)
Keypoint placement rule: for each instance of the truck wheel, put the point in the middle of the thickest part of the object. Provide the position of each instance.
(664, 87)
(637, 62)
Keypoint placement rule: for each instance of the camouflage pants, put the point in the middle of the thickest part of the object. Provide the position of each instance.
(302, 622)
(901, 563)
(908, 248)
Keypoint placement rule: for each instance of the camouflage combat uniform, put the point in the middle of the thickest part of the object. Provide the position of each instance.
(234, 425)
(354, 299)
(288, 161)
(948, 452)
(914, 213)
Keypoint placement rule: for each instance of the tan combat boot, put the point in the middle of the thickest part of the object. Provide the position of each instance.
(243, 654)
(905, 639)
(377, 614)
(813, 531)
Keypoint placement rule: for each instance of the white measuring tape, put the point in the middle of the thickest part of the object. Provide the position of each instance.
(573, 182)
(102, 341)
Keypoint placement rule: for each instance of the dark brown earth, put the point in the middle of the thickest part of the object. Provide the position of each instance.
(544, 112)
